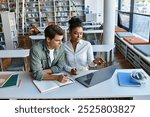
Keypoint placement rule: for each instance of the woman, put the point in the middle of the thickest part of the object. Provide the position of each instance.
(78, 52)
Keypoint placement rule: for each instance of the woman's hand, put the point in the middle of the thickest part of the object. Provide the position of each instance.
(74, 71)
(98, 61)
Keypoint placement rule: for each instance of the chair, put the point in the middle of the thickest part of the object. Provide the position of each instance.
(1, 47)
(17, 64)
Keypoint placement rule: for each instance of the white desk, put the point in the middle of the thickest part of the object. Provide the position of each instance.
(23, 53)
(65, 28)
(94, 32)
(108, 49)
(91, 26)
(106, 89)
(35, 38)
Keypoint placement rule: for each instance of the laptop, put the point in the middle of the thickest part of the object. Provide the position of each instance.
(96, 77)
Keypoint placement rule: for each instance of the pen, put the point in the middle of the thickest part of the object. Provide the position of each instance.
(20, 82)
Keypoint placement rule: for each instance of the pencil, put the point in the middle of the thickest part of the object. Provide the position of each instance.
(20, 82)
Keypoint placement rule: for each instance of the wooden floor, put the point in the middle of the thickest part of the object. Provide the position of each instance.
(25, 42)
(124, 64)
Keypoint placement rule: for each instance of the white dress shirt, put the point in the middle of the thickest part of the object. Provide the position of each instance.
(81, 59)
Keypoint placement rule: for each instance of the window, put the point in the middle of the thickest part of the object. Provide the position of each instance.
(134, 16)
(124, 14)
(142, 6)
(124, 19)
(125, 5)
(141, 18)
(141, 25)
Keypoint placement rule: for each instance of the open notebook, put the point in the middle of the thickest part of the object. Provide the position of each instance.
(47, 85)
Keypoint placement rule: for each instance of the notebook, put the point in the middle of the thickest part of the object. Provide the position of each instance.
(47, 85)
(4, 78)
(99, 76)
(125, 80)
(12, 81)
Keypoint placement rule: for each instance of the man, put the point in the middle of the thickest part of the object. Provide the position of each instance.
(47, 56)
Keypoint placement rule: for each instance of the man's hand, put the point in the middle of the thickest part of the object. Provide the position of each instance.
(49, 71)
(63, 78)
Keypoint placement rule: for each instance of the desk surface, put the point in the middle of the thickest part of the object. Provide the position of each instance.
(14, 53)
(92, 31)
(109, 88)
(37, 37)
(91, 26)
(41, 29)
(40, 37)
(103, 48)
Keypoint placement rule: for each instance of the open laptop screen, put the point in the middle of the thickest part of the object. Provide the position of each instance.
(96, 77)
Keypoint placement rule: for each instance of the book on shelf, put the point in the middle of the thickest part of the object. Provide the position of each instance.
(124, 79)
(4, 78)
(12, 81)
(47, 85)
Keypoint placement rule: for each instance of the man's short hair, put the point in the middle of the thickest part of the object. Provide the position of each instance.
(51, 30)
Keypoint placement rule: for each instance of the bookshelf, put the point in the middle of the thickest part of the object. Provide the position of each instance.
(47, 13)
(77, 8)
(62, 11)
(9, 30)
(42, 12)
(32, 12)
(4, 6)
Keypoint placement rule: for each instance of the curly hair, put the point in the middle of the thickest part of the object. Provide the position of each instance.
(75, 22)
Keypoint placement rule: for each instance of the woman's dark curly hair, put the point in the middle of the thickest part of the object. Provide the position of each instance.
(75, 22)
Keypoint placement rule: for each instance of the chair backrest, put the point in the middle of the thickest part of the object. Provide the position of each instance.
(1, 47)
(17, 64)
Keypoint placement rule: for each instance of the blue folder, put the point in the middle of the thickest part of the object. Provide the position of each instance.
(124, 79)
